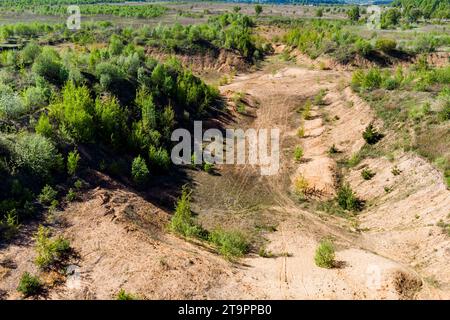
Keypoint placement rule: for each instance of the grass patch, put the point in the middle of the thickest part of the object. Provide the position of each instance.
(230, 244)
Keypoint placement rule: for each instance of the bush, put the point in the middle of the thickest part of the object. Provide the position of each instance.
(29, 285)
(354, 14)
(30, 52)
(111, 119)
(367, 174)
(182, 222)
(72, 162)
(71, 195)
(347, 199)
(47, 195)
(371, 135)
(122, 295)
(208, 167)
(43, 126)
(385, 45)
(319, 98)
(11, 105)
(325, 254)
(159, 157)
(75, 112)
(298, 153)
(9, 226)
(50, 251)
(34, 97)
(139, 171)
(363, 47)
(35, 153)
(231, 244)
(48, 65)
(444, 114)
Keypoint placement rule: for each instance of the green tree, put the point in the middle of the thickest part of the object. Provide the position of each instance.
(43, 126)
(75, 112)
(139, 171)
(319, 13)
(111, 119)
(258, 9)
(72, 162)
(353, 13)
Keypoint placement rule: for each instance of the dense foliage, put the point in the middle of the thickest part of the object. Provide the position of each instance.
(54, 101)
(425, 8)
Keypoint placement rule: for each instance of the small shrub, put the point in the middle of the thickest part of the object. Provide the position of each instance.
(347, 199)
(78, 184)
(371, 135)
(182, 222)
(325, 254)
(367, 174)
(385, 45)
(396, 171)
(43, 126)
(301, 131)
(47, 195)
(306, 113)
(71, 195)
(262, 252)
(230, 244)
(208, 167)
(444, 226)
(319, 98)
(29, 285)
(301, 185)
(122, 295)
(35, 153)
(139, 171)
(49, 251)
(333, 150)
(72, 162)
(9, 226)
(159, 157)
(298, 153)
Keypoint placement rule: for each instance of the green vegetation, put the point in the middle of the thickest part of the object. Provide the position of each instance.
(47, 195)
(29, 285)
(415, 9)
(72, 162)
(122, 295)
(50, 252)
(60, 8)
(182, 222)
(347, 199)
(139, 171)
(413, 103)
(371, 135)
(231, 244)
(325, 254)
(367, 174)
(298, 153)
